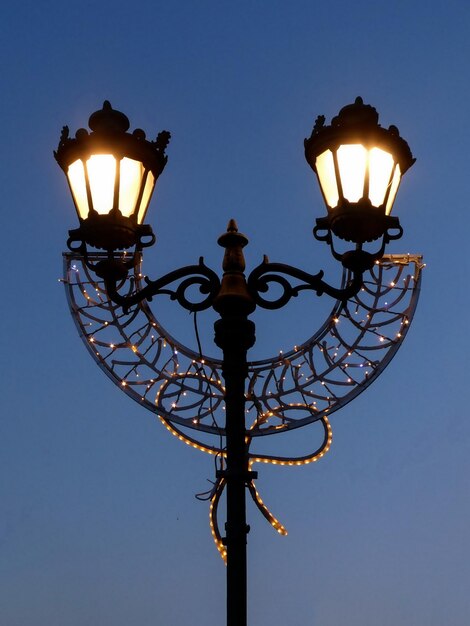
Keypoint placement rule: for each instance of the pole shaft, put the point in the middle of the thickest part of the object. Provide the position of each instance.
(237, 467)
(234, 334)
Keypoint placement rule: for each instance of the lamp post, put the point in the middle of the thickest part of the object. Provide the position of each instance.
(112, 173)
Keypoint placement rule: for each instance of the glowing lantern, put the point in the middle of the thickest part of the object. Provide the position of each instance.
(359, 166)
(112, 175)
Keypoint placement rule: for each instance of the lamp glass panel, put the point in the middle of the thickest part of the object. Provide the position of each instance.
(393, 189)
(148, 189)
(101, 175)
(380, 172)
(352, 162)
(326, 174)
(129, 185)
(76, 176)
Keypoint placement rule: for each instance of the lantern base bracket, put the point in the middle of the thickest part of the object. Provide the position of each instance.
(357, 260)
(359, 224)
(118, 233)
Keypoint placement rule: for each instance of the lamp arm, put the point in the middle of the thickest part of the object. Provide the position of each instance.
(260, 278)
(190, 275)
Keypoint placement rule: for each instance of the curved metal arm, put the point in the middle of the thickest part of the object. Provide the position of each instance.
(207, 279)
(260, 278)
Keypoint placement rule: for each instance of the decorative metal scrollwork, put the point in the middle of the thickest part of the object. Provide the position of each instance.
(190, 276)
(290, 390)
(262, 276)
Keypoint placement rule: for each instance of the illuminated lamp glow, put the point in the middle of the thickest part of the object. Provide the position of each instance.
(148, 190)
(380, 172)
(76, 176)
(326, 174)
(352, 163)
(393, 190)
(101, 170)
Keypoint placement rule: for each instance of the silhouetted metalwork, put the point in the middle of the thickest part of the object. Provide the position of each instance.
(226, 407)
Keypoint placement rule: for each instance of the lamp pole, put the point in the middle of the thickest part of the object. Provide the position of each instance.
(112, 174)
(235, 335)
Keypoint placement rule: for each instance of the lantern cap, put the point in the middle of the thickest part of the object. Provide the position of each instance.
(357, 123)
(357, 114)
(108, 119)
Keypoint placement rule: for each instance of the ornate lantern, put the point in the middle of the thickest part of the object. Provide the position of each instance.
(112, 175)
(359, 166)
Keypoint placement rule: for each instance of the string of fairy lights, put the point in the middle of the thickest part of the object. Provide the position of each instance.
(292, 389)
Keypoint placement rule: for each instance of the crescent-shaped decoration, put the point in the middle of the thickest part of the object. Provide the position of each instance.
(185, 389)
(348, 352)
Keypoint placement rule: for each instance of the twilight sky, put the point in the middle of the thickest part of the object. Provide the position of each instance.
(99, 524)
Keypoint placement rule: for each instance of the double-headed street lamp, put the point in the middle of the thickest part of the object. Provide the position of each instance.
(112, 174)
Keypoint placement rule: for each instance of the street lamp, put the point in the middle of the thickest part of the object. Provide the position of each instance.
(112, 174)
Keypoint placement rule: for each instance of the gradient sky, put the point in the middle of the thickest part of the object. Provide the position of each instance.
(99, 524)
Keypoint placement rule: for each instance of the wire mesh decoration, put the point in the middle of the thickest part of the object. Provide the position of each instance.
(288, 391)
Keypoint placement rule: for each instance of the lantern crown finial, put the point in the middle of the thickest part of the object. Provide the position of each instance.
(357, 114)
(108, 119)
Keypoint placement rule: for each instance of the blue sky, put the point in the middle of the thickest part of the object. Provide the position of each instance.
(99, 522)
